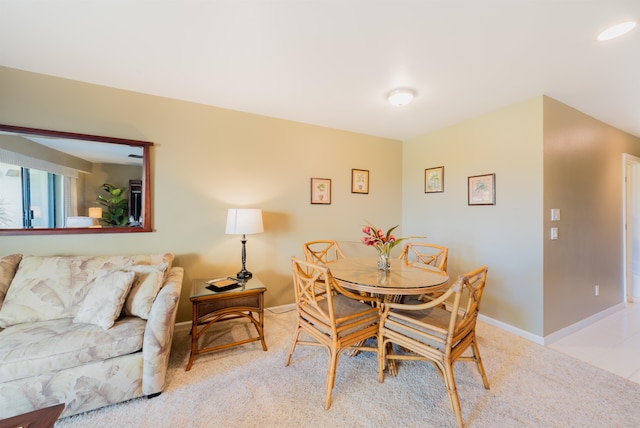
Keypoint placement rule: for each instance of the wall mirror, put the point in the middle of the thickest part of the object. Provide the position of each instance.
(54, 182)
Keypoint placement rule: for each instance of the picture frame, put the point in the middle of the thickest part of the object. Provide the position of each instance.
(360, 181)
(482, 189)
(321, 191)
(434, 180)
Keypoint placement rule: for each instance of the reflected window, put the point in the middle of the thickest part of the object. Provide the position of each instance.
(31, 198)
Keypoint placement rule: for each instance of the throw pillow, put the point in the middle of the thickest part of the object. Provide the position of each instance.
(146, 284)
(103, 303)
(8, 267)
(40, 290)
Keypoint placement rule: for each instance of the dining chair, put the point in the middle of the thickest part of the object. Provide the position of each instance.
(427, 254)
(428, 332)
(333, 318)
(322, 251)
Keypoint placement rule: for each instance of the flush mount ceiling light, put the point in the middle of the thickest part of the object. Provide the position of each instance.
(401, 96)
(616, 30)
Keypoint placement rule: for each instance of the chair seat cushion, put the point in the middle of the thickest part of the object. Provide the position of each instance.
(435, 316)
(33, 349)
(343, 307)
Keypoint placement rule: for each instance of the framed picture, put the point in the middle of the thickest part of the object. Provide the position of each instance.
(434, 180)
(482, 189)
(321, 191)
(359, 181)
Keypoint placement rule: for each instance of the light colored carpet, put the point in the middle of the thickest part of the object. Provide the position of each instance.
(531, 386)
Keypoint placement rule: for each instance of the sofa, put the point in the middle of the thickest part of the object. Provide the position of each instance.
(86, 331)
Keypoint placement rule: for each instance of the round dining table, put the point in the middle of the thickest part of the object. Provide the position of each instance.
(403, 279)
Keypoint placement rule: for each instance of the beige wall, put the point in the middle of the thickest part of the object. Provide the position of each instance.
(205, 160)
(583, 172)
(545, 155)
(506, 236)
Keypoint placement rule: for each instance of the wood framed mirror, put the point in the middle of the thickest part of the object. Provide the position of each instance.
(55, 182)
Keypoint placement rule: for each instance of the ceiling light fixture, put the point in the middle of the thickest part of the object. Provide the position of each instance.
(616, 30)
(401, 96)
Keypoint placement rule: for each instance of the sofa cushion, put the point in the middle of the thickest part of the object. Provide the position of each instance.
(104, 301)
(37, 348)
(8, 266)
(148, 281)
(47, 288)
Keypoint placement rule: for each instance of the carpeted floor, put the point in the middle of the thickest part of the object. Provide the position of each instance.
(531, 386)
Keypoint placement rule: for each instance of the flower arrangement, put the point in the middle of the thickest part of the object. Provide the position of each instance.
(383, 242)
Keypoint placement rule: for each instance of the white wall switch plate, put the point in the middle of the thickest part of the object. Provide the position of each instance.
(554, 233)
(555, 214)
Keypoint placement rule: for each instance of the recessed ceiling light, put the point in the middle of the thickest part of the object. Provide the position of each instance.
(617, 30)
(401, 96)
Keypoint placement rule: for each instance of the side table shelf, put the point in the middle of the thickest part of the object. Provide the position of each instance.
(210, 307)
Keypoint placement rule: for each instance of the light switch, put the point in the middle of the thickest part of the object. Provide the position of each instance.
(554, 233)
(555, 214)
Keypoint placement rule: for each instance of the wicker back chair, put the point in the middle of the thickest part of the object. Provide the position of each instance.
(425, 254)
(439, 335)
(322, 251)
(334, 318)
(428, 254)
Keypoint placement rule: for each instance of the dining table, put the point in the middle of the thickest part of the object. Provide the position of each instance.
(402, 279)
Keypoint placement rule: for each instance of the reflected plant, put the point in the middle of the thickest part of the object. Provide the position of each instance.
(115, 204)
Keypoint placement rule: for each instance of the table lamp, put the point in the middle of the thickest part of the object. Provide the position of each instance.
(244, 221)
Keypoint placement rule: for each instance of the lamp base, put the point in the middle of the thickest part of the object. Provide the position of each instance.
(244, 275)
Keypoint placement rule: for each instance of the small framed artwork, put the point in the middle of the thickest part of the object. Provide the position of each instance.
(434, 180)
(321, 191)
(482, 189)
(359, 181)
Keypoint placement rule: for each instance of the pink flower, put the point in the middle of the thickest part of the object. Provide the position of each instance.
(381, 241)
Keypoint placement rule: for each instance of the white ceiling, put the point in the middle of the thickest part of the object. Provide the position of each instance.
(331, 62)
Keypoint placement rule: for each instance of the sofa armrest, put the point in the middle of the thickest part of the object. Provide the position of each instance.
(158, 334)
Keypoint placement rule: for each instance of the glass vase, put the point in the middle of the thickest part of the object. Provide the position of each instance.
(384, 263)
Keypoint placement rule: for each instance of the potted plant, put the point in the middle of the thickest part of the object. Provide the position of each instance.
(116, 205)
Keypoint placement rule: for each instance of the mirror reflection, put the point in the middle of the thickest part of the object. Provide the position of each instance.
(57, 182)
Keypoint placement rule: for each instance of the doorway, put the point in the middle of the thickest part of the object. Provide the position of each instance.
(631, 210)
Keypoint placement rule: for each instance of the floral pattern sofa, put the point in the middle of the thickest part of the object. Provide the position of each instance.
(86, 331)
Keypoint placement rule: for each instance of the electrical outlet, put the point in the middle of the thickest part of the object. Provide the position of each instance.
(597, 290)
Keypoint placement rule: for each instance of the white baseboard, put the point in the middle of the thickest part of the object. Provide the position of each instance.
(511, 329)
(282, 308)
(546, 340)
(557, 335)
(186, 325)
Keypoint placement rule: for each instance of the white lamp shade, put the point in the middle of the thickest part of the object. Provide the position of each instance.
(95, 212)
(244, 221)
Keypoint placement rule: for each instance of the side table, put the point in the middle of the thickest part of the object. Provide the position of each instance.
(209, 307)
(41, 418)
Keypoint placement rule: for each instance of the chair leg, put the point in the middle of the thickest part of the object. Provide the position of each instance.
(476, 357)
(296, 335)
(331, 376)
(382, 357)
(454, 401)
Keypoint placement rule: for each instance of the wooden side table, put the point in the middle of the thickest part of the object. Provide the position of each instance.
(42, 418)
(209, 307)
